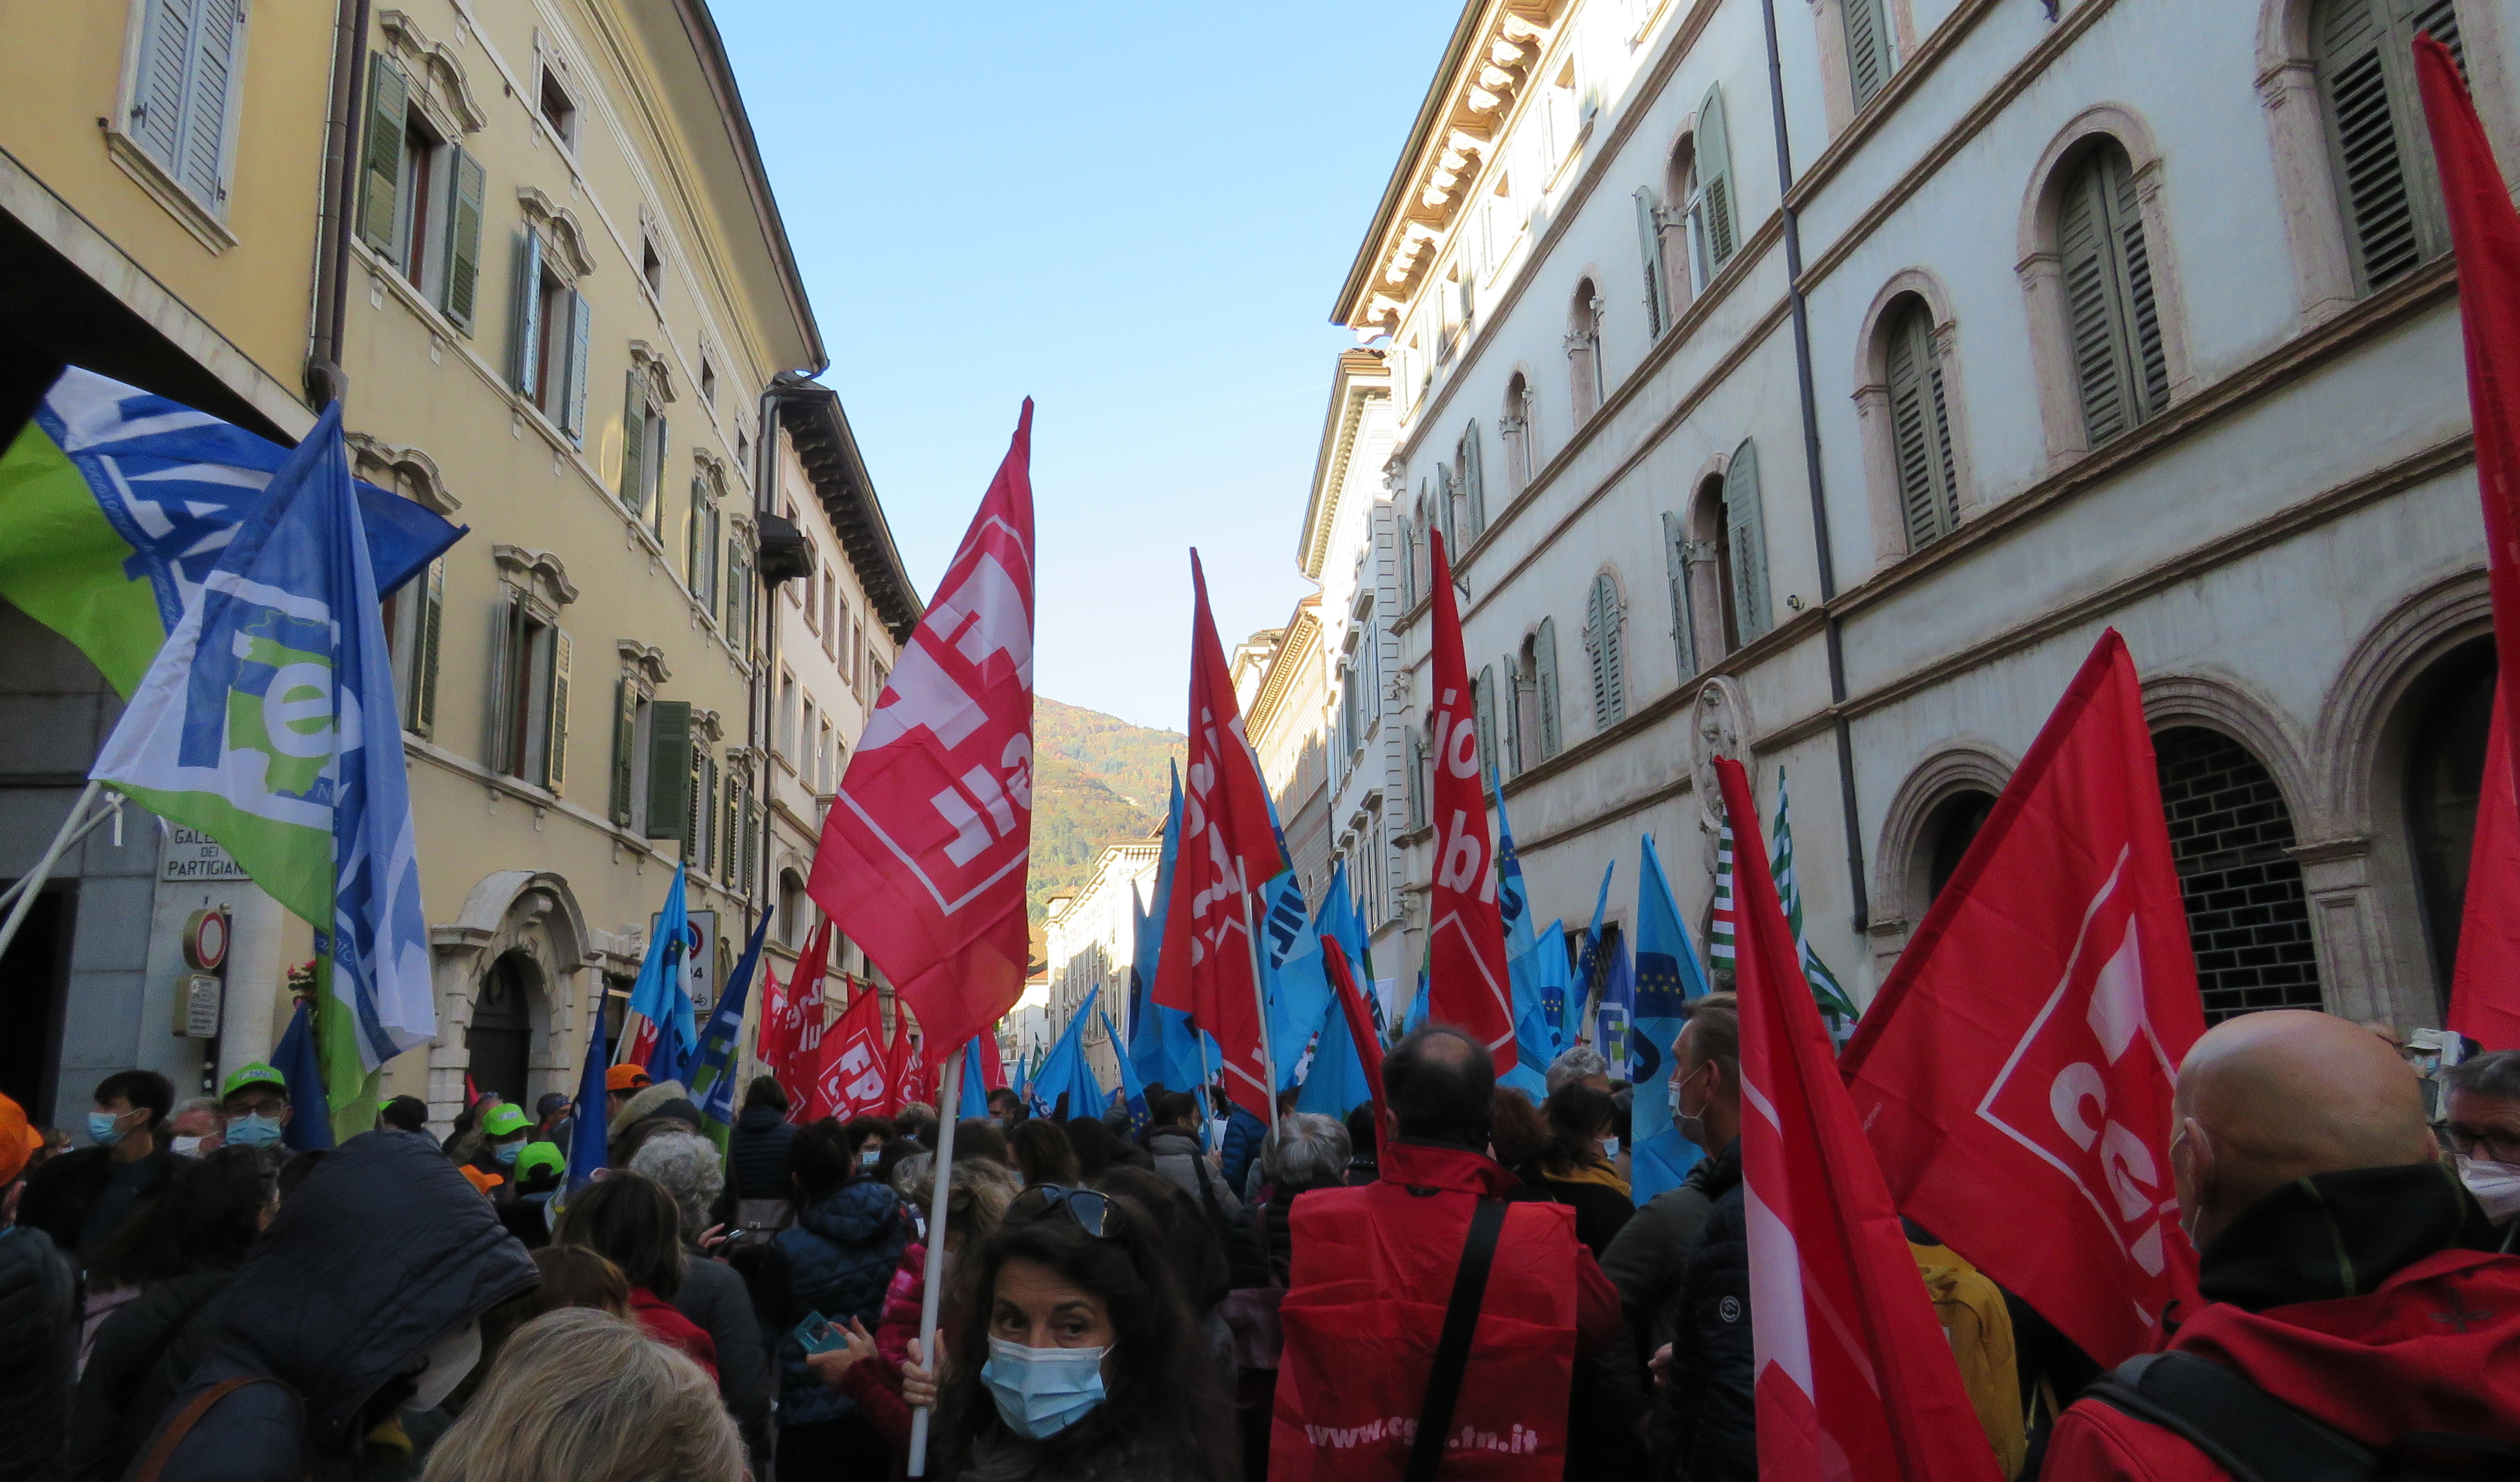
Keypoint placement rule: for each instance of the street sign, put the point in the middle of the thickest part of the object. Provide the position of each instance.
(205, 938)
(701, 950)
(196, 1006)
(192, 855)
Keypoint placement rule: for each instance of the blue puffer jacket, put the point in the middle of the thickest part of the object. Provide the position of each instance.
(836, 1260)
(1244, 1133)
(757, 1154)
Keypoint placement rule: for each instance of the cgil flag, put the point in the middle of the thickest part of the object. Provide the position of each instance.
(1852, 1376)
(925, 847)
(268, 721)
(116, 505)
(1466, 963)
(2015, 1072)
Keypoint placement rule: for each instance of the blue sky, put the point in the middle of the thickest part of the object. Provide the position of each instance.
(1137, 214)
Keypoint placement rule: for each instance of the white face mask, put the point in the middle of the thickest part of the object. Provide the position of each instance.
(450, 1359)
(187, 1147)
(2497, 1186)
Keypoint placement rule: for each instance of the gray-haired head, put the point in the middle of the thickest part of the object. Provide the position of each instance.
(686, 1165)
(2494, 1073)
(1576, 1062)
(1305, 1150)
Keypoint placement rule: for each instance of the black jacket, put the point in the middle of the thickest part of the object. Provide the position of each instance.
(63, 1198)
(714, 1298)
(133, 1370)
(1711, 1356)
(757, 1156)
(38, 1337)
(1648, 1262)
(383, 1254)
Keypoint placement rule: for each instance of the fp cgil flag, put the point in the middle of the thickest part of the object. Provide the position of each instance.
(924, 853)
(1467, 983)
(2015, 1071)
(1228, 850)
(1853, 1376)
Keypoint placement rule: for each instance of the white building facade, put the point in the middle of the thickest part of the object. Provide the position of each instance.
(1092, 944)
(2128, 315)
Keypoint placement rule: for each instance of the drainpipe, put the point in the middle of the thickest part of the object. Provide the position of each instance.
(765, 611)
(1830, 627)
(325, 382)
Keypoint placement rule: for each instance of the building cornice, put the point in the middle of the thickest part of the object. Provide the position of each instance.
(1303, 633)
(819, 428)
(1363, 376)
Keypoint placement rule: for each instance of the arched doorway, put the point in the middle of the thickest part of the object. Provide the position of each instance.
(2450, 711)
(1950, 829)
(499, 1042)
(2248, 917)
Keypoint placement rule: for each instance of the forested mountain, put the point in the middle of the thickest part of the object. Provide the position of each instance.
(1096, 780)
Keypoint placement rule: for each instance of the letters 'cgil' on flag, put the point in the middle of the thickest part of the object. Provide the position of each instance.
(925, 850)
(1834, 1006)
(659, 994)
(116, 505)
(1228, 846)
(268, 721)
(2015, 1071)
(1668, 976)
(1851, 1376)
(714, 1068)
(1465, 961)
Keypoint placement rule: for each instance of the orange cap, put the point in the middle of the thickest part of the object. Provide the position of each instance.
(19, 1139)
(625, 1077)
(484, 1182)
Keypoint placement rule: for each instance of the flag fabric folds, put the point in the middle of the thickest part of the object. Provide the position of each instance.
(925, 846)
(1834, 1004)
(1066, 1073)
(850, 1072)
(1466, 963)
(1588, 969)
(715, 1067)
(787, 1043)
(1514, 900)
(1228, 845)
(2485, 988)
(1133, 1092)
(1360, 1028)
(1291, 956)
(973, 1097)
(1668, 976)
(2015, 1071)
(1852, 1373)
(1165, 1046)
(591, 1117)
(115, 506)
(268, 721)
(660, 995)
(310, 1115)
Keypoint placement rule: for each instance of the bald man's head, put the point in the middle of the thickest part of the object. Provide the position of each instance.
(2269, 1097)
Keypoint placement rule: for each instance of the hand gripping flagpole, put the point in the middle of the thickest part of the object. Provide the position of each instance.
(949, 1093)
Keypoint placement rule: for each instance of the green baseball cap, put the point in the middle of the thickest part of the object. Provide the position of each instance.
(537, 1157)
(251, 1073)
(505, 1120)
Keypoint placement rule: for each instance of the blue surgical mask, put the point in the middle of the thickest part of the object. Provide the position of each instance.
(506, 1152)
(254, 1130)
(1610, 1149)
(100, 1128)
(1043, 1391)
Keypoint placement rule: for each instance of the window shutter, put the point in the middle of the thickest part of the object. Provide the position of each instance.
(1417, 779)
(1650, 238)
(1474, 482)
(634, 441)
(1408, 566)
(709, 567)
(2110, 322)
(463, 240)
(1509, 715)
(692, 536)
(157, 118)
(1484, 691)
(1443, 514)
(1674, 554)
(581, 329)
(1869, 61)
(525, 311)
(1746, 526)
(1614, 658)
(205, 98)
(669, 768)
(432, 622)
(1595, 633)
(555, 744)
(1543, 682)
(2377, 136)
(1715, 167)
(653, 472)
(625, 742)
(2135, 267)
(498, 747)
(389, 108)
(1921, 438)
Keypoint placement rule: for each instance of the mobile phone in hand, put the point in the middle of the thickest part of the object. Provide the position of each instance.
(819, 1335)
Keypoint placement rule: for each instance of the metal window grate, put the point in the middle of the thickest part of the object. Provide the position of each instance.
(2248, 917)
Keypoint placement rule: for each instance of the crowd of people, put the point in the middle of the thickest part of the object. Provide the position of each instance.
(1192, 1294)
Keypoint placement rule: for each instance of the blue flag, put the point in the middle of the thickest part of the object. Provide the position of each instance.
(592, 1118)
(1335, 1085)
(1133, 1092)
(1539, 977)
(713, 1069)
(1668, 975)
(1298, 988)
(659, 992)
(1065, 1073)
(974, 1098)
(1166, 1048)
(1513, 902)
(1588, 972)
(1616, 1007)
(310, 1116)
(1419, 1008)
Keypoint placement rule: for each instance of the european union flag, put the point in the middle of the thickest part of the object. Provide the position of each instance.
(1668, 974)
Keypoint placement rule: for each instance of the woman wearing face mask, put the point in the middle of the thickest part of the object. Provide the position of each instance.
(1576, 1162)
(867, 1136)
(1073, 1356)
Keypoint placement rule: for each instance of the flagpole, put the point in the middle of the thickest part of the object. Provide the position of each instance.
(949, 1094)
(33, 884)
(1260, 998)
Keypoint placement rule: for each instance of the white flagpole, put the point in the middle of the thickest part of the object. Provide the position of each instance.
(948, 1095)
(33, 884)
(1260, 997)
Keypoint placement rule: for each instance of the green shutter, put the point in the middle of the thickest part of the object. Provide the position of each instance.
(1509, 715)
(1683, 627)
(1444, 516)
(1746, 527)
(507, 615)
(1920, 430)
(556, 736)
(1484, 691)
(464, 239)
(655, 476)
(572, 400)
(1649, 240)
(1603, 635)
(1714, 171)
(669, 768)
(2121, 376)
(381, 178)
(625, 744)
(525, 312)
(2362, 52)
(634, 440)
(433, 623)
(1869, 60)
(1543, 684)
(1474, 483)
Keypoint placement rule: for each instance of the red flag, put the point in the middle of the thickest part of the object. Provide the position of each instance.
(906, 1066)
(1465, 974)
(1853, 1375)
(925, 850)
(2015, 1071)
(850, 1074)
(1227, 849)
(2484, 990)
(1360, 1019)
(786, 1045)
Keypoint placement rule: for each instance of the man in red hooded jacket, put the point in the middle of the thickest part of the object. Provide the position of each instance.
(2346, 1270)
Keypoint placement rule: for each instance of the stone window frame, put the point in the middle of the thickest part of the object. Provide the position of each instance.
(1871, 398)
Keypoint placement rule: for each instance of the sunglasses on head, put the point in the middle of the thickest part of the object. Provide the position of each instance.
(1092, 1211)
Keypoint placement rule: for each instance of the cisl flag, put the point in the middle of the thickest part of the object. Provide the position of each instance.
(923, 852)
(851, 1077)
(1466, 972)
(2015, 1071)
(1228, 850)
(1853, 1377)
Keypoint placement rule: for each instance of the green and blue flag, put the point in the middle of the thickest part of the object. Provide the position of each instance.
(713, 1068)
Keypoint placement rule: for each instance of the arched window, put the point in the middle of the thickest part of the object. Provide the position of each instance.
(1584, 351)
(2451, 710)
(1467, 456)
(2362, 52)
(1872, 51)
(1949, 831)
(1919, 421)
(1714, 220)
(1537, 735)
(1520, 439)
(2112, 329)
(2230, 837)
(1604, 643)
(795, 912)
(1709, 559)
(1741, 550)
(1683, 265)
